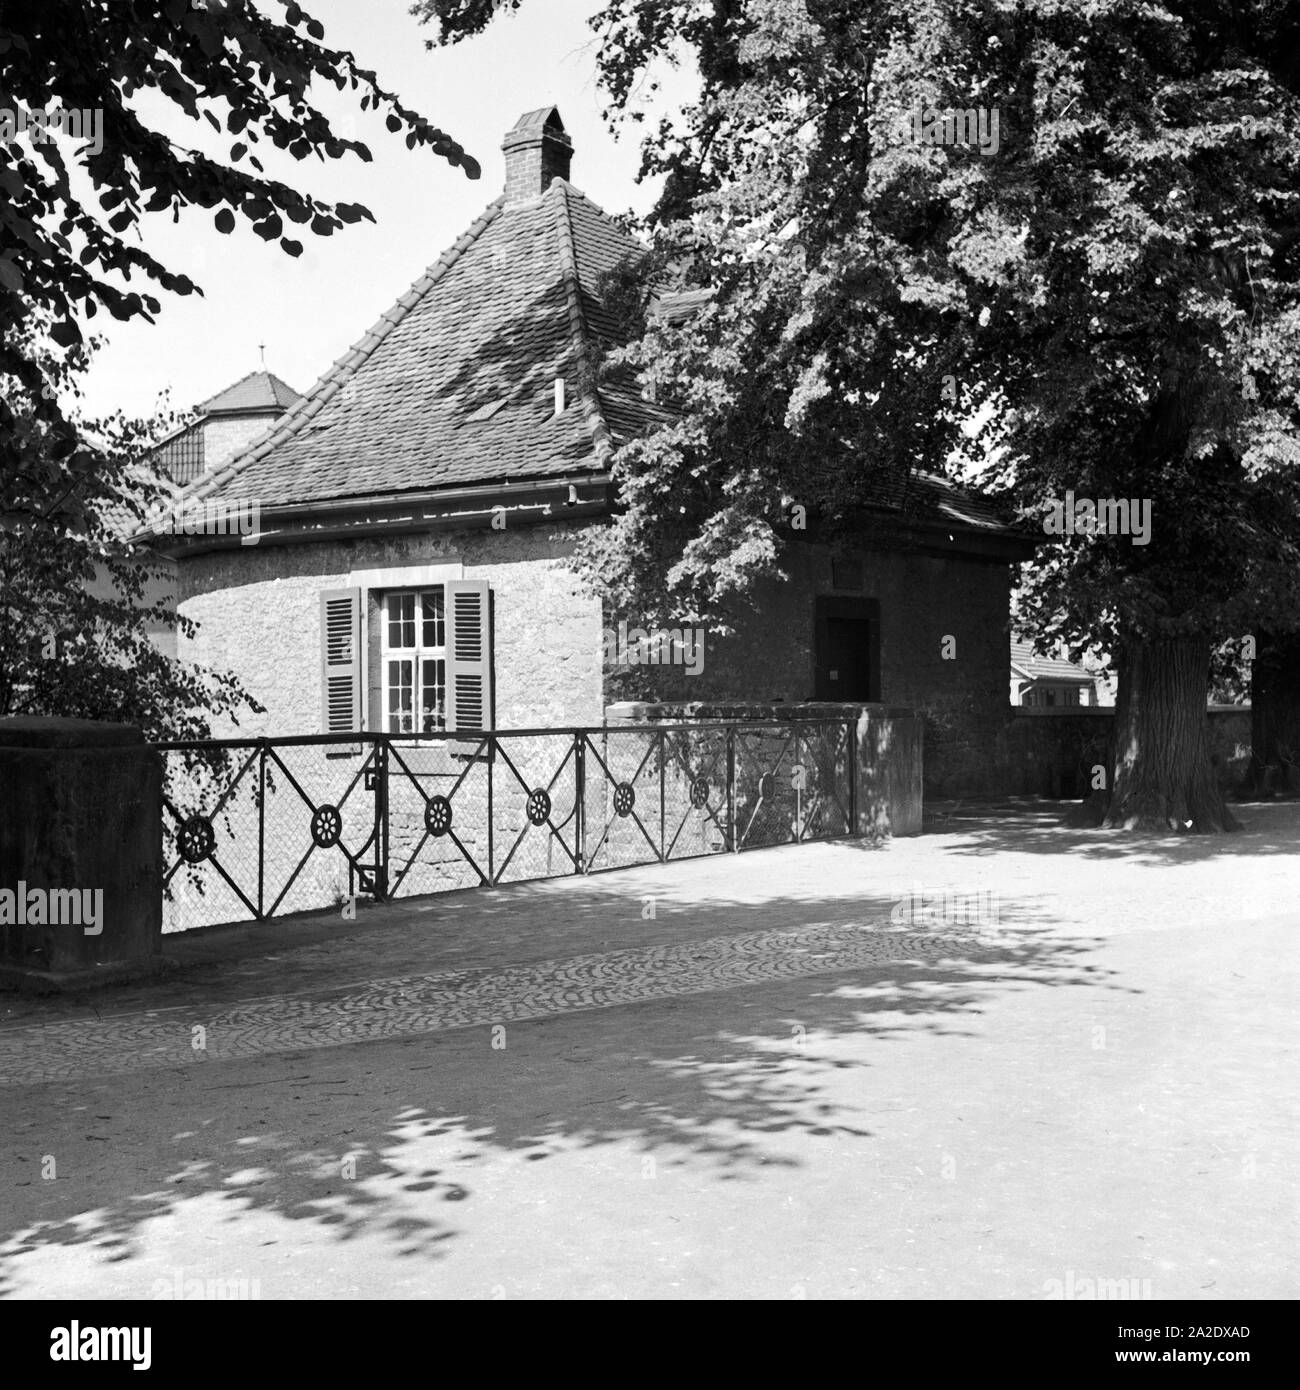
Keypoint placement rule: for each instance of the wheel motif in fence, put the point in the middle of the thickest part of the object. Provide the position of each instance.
(259, 827)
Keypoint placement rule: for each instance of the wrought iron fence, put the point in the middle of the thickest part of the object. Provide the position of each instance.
(256, 827)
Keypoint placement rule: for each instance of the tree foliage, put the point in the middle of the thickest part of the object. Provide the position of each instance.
(69, 219)
(1107, 303)
(80, 603)
(1113, 290)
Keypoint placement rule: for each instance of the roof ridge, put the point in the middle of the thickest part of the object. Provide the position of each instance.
(271, 376)
(328, 385)
(591, 407)
(1025, 656)
(576, 192)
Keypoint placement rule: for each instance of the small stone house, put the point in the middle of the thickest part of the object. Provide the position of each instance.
(1048, 682)
(222, 426)
(420, 502)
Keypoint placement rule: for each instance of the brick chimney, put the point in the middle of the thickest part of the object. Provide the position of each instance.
(537, 150)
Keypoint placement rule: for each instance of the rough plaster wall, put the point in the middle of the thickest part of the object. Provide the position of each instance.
(259, 614)
(546, 633)
(161, 589)
(225, 436)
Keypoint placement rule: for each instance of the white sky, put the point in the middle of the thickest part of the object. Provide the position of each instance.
(310, 310)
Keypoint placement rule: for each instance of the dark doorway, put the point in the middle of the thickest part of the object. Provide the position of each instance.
(847, 649)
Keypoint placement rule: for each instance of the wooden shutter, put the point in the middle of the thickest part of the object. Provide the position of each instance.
(340, 661)
(469, 655)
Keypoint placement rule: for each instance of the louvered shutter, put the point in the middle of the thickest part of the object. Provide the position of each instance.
(469, 655)
(340, 634)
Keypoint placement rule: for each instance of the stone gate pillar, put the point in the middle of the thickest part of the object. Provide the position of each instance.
(80, 854)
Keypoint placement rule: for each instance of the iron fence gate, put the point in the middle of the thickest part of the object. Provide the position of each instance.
(256, 827)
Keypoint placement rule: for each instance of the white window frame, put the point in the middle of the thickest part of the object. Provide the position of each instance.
(374, 584)
(417, 654)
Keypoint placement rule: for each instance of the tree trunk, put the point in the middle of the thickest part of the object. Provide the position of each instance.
(1161, 777)
(1274, 715)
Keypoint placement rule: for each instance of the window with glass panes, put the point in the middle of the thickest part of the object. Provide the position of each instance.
(414, 655)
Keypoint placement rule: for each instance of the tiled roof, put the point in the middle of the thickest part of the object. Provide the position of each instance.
(454, 385)
(116, 516)
(939, 499)
(257, 391)
(180, 455)
(676, 306)
(503, 313)
(1036, 667)
(922, 498)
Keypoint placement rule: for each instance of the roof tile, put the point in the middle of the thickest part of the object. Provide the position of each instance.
(1039, 667)
(477, 326)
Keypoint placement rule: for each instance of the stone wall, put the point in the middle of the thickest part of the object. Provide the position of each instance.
(1048, 752)
(1230, 742)
(891, 764)
(80, 853)
(887, 752)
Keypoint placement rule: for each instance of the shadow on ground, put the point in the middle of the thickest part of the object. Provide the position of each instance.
(719, 1076)
(1036, 826)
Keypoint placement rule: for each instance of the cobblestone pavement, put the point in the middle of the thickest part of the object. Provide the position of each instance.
(416, 1004)
(763, 1089)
